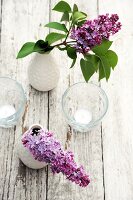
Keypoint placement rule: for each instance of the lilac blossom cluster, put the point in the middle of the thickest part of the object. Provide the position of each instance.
(45, 148)
(92, 32)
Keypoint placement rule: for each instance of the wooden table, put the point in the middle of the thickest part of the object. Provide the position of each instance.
(107, 151)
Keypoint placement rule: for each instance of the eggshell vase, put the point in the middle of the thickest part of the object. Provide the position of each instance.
(43, 72)
(25, 155)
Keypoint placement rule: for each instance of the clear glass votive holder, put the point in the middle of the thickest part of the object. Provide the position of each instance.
(12, 102)
(84, 105)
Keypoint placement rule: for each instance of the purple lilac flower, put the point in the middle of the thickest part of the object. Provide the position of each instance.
(92, 32)
(45, 148)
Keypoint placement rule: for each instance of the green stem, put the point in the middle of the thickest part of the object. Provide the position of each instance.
(73, 41)
(68, 32)
(64, 43)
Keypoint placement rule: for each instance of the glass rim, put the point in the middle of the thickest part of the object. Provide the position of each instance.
(18, 111)
(91, 124)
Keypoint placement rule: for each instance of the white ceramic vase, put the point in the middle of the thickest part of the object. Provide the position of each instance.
(43, 72)
(26, 157)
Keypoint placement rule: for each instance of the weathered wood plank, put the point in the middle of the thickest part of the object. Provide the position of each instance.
(22, 21)
(56, 184)
(117, 127)
(86, 146)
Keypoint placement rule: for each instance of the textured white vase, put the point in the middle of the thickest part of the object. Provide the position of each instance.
(43, 72)
(26, 157)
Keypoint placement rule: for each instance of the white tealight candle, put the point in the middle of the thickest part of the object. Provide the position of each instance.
(83, 116)
(6, 111)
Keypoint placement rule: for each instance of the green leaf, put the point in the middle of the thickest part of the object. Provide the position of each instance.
(78, 16)
(80, 23)
(87, 69)
(101, 71)
(65, 17)
(57, 26)
(62, 6)
(84, 13)
(42, 47)
(107, 61)
(39, 46)
(93, 59)
(71, 52)
(112, 58)
(53, 37)
(62, 48)
(26, 49)
(75, 8)
(106, 66)
(102, 48)
(73, 63)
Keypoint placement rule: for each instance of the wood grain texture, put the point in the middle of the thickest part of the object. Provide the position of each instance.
(56, 184)
(106, 152)
(86, 146)
(117, 127)
(22, 21)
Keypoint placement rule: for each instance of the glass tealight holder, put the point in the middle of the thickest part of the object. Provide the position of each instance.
(84, 105)
(12, 102)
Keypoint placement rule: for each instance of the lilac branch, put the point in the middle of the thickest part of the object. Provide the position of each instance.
(45, 148)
